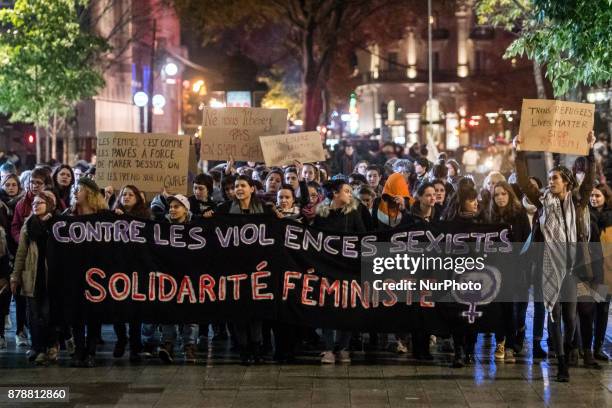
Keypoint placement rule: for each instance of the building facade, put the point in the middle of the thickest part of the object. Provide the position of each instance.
(476, 92)
(146, 55)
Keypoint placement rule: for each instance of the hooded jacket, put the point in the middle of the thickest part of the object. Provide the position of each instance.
(346, 219)
(383, 215)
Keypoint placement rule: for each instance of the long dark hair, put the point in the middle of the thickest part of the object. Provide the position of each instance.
(140, 209)
(514, 207)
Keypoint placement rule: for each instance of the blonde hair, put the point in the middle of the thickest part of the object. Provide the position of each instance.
(94, 199)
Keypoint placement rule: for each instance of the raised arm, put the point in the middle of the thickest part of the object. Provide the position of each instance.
(589, 174)
(522, 176)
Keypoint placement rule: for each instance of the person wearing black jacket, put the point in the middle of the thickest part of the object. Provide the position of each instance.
(422, 213)
(505, 208)
(130, 202)
(462, 209)
(338, 213)
(201, 202)
(249, 333)
(601, 215)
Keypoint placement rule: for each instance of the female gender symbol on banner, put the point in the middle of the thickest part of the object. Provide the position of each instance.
(490, 279)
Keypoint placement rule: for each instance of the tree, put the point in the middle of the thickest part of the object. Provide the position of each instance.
(571, 38)
(49, 62)
(312, 32)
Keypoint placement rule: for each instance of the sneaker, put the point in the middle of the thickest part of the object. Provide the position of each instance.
(21, 339)
(190, 353)
(601, 355)
(328, 357)
(166, 353)
(2, 342)
(344, 356)
(70, 346)
(52, 354)
(148, 350)
(401, 347)
(41, 359)
(500, 352)
(509, 356)
(31, 355)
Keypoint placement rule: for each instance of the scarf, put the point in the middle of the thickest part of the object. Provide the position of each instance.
(558, 226)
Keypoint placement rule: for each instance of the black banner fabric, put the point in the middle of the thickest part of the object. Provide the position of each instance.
(112, 268)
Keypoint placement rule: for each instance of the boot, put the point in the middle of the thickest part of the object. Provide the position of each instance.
(600, 355)
(257, 354)
(563, 370)
(589, 361)
(537, 350)
(458, 361)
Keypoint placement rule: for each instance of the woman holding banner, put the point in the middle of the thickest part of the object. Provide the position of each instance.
(505, 208)
(86, 199)
(562, 222)
(338, 213)
(463, 209)
(246, 202)
(130, 203)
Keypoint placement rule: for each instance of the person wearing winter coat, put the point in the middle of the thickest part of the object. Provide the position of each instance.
(30, 278)
(86, 199)
(505, 208)
(601, 215)
(338, 213)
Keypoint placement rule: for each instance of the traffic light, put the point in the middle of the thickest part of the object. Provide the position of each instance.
(30, 139)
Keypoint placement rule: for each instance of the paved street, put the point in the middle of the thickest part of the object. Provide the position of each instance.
(390, 381)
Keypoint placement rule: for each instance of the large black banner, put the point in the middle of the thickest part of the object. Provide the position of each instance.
(117, 269)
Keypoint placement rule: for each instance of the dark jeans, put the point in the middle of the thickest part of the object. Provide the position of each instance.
(566, 312)
(586, 318)
(508, 333)
(43, 336)
(86, 345)
(538, 318)
(601, 322)
(20, 311)
(246, 331)
(5, 305)
(134, 330)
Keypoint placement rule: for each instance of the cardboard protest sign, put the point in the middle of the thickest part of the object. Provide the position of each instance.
(280, 150)
(235, 132)
(151, 161)
(556, 126)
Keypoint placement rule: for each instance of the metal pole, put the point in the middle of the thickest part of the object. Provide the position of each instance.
(428, 110)
(151, 82)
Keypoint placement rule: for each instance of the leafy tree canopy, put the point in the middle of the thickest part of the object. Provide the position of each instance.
(570, 38)
(48, 60)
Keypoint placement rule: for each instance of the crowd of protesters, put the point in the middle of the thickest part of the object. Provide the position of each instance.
(385, 190)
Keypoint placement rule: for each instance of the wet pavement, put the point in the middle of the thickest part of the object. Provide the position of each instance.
(380, 379)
